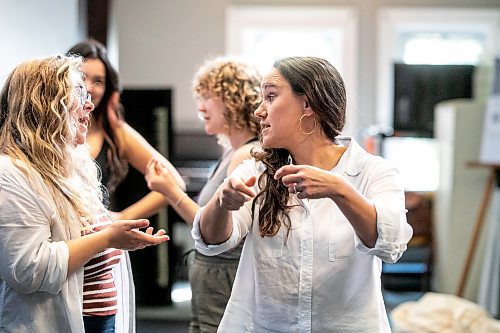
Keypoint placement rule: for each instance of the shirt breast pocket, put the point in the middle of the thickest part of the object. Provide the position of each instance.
(271, 247)
(338, 254)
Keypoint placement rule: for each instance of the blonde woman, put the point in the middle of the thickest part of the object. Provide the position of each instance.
(49, 193)
(228, 92)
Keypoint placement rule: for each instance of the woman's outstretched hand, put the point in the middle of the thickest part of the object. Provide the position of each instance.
(125, 235)
(234, 192)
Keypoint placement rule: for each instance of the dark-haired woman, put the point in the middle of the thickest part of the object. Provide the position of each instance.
(114, 145)
(318, 212)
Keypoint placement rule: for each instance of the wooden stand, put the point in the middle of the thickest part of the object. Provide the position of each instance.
(490, 185)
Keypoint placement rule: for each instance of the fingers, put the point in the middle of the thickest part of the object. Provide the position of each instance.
(142, 239)
(286, 170)
(243, 187)
(126, 235)
(251, 181)
(293, 177)
(161, 232)
(235, 192)
(294, 189)
(232, 202)
(150, 165)
(135, 224)
(159, 166)
(229, 199)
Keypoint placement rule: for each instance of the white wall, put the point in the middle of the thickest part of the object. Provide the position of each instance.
(34, 28)
(161, 43)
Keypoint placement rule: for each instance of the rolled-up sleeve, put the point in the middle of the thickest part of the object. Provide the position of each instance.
(209, 249)
(30, 260)
(384, 189)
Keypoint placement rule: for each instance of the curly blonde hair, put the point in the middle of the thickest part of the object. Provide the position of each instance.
(38, 127)
(237, 84)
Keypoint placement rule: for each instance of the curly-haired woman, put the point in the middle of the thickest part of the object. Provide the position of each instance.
(228, 92)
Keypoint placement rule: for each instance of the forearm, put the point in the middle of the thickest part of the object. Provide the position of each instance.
(139, 152)
(146, 207)
(183, 204)
(359, 211)
(82, 249)
(216, 223)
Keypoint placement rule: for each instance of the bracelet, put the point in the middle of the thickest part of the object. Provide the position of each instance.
(180, 200)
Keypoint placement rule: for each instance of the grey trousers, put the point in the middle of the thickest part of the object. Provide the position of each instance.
(211, 281)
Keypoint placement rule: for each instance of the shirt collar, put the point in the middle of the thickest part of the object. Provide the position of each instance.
(353, 159)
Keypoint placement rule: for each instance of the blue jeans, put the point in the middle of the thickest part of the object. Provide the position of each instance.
(99, 324)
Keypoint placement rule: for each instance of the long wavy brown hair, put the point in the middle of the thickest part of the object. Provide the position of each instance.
(324, 88)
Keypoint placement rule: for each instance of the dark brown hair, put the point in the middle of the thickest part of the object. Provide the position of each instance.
(324, 88)
(118, 166)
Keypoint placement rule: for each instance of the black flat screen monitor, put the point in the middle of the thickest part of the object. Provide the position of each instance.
(418, 88)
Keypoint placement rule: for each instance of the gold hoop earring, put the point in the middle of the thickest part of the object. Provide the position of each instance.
(300, 125)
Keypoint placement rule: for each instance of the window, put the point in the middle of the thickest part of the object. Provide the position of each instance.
(263, 47)
(264, 34)
(426, 36)
(441, 48)
(429, 36)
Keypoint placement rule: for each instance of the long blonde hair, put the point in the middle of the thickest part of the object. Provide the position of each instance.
(38, 123)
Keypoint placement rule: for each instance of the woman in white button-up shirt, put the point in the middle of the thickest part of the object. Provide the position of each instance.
(49, 193)
(319, 214)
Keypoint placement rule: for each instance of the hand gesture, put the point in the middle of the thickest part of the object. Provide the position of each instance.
(125, 235)
(158, 177)
(307, 182)
(234, 192)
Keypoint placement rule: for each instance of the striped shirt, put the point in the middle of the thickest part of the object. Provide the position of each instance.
(99, 291)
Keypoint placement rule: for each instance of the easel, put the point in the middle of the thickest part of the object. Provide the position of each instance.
(494, 172)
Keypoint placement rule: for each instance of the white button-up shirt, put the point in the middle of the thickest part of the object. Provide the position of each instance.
(323, 278)
(36, 292)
